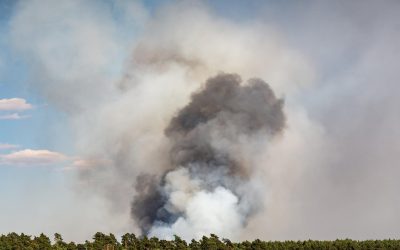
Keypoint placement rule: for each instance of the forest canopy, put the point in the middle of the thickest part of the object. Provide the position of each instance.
(128, 241)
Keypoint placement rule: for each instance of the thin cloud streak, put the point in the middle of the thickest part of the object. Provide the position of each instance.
(13, 116)
(79, 163)
(6, 146)
(30, 157)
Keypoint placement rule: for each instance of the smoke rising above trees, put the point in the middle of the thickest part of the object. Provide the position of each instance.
(200, 170)
(140, 113)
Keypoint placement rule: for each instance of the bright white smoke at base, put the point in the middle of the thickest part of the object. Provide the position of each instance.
(203, 212)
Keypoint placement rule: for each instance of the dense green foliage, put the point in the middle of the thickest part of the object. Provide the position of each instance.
(102, 241)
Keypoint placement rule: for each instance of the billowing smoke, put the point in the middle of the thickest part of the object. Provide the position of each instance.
(163, 148)
(123, 77)
(205, 187)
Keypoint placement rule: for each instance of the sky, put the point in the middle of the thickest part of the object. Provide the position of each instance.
(86, 88)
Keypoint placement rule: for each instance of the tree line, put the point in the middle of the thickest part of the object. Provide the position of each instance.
(101, 241)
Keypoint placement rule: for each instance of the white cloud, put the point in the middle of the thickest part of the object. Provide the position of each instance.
(17, 105)
(14, 104)
(30, 157)
(6, 146)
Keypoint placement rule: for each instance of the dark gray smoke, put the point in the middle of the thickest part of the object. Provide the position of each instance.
(223, 111)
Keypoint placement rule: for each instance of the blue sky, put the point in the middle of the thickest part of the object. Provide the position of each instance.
(24, 133)
(14, 82)
(88, 84)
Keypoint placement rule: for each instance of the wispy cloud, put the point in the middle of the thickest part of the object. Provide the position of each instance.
(30, 157)
(14, 104)
(82, 163)
(13, 116)
(6, 146)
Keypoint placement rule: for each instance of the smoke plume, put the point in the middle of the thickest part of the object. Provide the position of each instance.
(182, 153)
(203, 176)
(158, 159)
